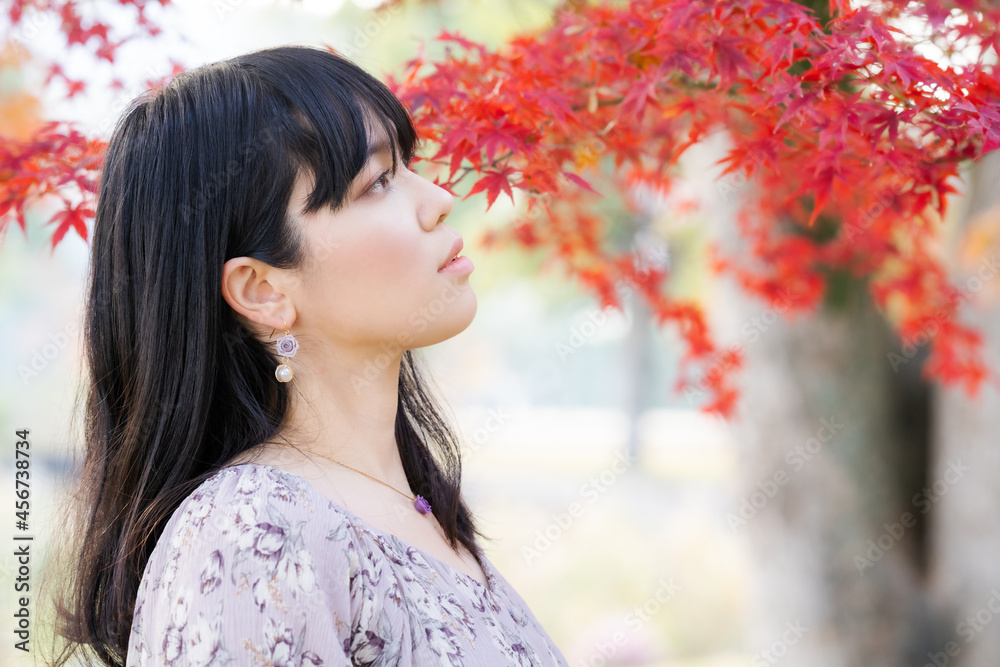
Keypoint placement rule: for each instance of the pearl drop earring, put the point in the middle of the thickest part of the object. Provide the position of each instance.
(287, 347)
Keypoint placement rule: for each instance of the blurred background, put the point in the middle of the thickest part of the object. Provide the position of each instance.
(844, 516)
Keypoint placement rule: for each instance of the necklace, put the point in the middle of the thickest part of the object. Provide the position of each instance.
(420, 503)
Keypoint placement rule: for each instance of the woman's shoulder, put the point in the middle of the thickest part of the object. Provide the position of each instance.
(247, 512)
(255, 480)
(252, 544)
(244, 493)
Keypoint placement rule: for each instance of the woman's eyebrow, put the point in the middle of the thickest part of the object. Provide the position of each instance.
(379, 147)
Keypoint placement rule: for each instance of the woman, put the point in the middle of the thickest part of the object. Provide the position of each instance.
(267, 479)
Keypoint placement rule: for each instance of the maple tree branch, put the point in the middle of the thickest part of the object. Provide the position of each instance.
(602, 103)
(685, 83)
(467, 170)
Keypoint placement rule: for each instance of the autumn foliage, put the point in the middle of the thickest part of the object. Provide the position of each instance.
(52, 160)
(852, 139)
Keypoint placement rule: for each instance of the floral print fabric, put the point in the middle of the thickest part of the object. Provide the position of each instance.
(258, 567)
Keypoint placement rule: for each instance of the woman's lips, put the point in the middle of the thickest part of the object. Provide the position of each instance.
(460, 264)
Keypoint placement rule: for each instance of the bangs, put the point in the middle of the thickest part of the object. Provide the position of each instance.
(333, 108)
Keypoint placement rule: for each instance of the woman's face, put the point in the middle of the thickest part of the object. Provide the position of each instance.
(371, 274)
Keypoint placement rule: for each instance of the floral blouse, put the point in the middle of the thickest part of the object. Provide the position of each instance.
(258, 567)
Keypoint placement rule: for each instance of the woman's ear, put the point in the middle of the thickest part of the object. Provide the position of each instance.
(253, 289)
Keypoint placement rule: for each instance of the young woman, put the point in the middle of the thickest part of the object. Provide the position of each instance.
(267, 480)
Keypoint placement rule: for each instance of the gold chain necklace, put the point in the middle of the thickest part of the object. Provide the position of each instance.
(420, 503)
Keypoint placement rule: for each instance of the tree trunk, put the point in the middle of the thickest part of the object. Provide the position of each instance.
(965, 532)
(833, 447)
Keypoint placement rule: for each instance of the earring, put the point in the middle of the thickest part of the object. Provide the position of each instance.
(287, 347)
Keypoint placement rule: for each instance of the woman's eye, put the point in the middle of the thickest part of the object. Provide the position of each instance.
(383, 179)
(382, 184)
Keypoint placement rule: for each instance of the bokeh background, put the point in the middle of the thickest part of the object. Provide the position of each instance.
(778, 536)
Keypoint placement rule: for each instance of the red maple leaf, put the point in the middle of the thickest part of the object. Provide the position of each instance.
(73, 217)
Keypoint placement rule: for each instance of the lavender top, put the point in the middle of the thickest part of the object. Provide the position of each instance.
(258, 567)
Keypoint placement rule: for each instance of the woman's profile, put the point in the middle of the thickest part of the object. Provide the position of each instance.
(266, 477)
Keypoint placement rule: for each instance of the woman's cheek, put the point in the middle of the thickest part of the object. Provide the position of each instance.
(395, 258)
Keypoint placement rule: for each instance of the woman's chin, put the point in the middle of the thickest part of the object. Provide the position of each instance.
(447, 325)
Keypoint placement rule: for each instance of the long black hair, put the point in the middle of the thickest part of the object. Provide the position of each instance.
(195, 173)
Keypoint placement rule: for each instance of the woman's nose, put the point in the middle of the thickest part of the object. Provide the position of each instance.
(438, 203)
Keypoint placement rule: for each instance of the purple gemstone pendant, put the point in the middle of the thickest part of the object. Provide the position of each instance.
(422, 505)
